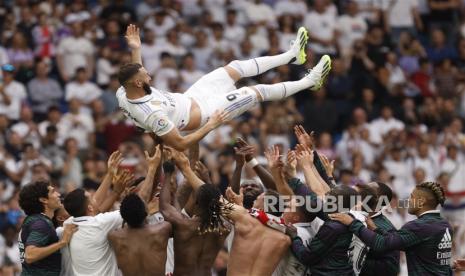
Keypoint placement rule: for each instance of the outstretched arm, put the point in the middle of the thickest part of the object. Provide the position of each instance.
(121, 180)
(276, 166)
(181, 143)
(379, 240)
(169, 212)
(305, 161)
(102, 192)
(133, 40)
(153, 162)
(183, 164)
(265, 176)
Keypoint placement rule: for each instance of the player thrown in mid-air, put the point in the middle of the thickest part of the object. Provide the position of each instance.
(213, 99)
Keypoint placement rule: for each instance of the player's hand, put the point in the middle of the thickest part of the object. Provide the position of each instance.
(235, 198)
(154, 160)
(329, 166)
(303, 137)
(133, 37)
(291, 165)
(114, 161)
(241, 153)
(304, 157)
(291, 231)
(180, 159)
(202, 172)
(241, 143)
(459, 265)
(342, 218)
(69, 230)
(121, 181)
(153, 205)
(218, 118)
(274, 159)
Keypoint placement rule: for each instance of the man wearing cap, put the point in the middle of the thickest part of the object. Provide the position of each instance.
(12, 93)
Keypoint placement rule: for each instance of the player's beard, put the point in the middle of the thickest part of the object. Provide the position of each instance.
(147, 88)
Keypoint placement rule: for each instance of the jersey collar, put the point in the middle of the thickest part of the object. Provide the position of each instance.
(430, 212)
(144, 99)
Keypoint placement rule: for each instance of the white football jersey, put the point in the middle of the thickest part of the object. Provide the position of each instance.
(158, 112)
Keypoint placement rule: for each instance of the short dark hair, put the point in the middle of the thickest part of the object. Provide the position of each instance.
(366, 191)
(384, 190)
(127, 71)
(133, 210)
(76, 203)
(29, 197)
(345, 193)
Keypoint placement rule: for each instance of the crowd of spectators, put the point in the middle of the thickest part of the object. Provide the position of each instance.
(392, 108)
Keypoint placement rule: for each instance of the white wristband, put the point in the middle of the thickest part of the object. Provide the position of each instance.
(252, 163)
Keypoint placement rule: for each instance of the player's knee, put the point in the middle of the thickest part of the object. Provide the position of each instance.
(234, 70)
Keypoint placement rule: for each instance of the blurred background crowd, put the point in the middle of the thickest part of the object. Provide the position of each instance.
(392, 109)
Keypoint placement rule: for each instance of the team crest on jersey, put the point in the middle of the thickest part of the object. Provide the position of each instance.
(162, 122)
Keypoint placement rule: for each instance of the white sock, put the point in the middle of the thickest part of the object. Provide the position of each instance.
(257, 66)
(279, 91)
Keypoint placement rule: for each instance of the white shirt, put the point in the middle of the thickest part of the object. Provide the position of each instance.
(380, 127)
(90, 250)
(77, 126)
(400, 13)
(158, 112)
(75, 51)
(259, 12)
(403, 181)
(293, 7)
(151, 56)
(289, 264)
(456, 171)
(86, 92)
(190, 77)
(104, 70)
(17, 93)
(351, 29)
(322, 26)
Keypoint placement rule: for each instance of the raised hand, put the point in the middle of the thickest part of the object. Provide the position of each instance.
(154, 160)
(249, 150)
(121, 181)
(114, 161)
(133, 37)
(153, 205)
(291, 165)
(303, 137)
(329, 166)
(180, 159)
(202, 172)
(291, 231)
(240, 154)
(218, 118)
(69, 230)
(274, 159)
(235, 198)
(304, 157)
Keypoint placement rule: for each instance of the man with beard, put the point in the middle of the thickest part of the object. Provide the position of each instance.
(198, 237)
(197, 110)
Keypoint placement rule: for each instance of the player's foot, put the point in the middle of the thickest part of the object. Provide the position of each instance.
(298, 47)
(318, 73)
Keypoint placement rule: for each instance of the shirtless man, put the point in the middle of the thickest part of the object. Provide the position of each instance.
(194, 251)
(140, 248)
(166, 114)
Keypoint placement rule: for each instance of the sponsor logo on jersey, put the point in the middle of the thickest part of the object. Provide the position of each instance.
(446, 241)
(156, 103)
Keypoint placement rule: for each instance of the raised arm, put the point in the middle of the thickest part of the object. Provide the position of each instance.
(133, 40)
(305, 162)
(99, 196)
(121, 180)
(169, 212)
(265, 176)
(183, 164)
(153, 162)
(276, 166)
(379, 240)
(181, 143)
(239, 155)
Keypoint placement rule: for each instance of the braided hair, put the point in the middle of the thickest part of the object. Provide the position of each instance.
(435, 189)
(212, 210)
